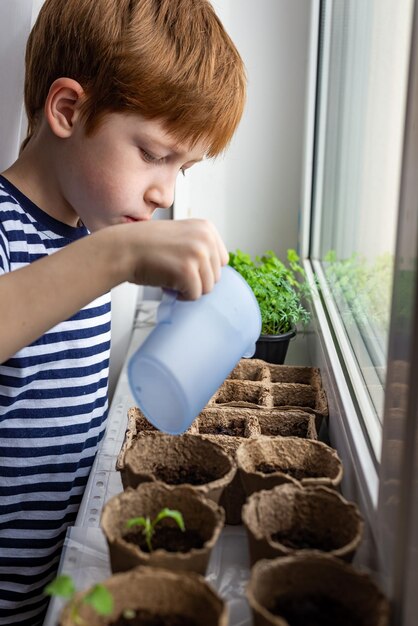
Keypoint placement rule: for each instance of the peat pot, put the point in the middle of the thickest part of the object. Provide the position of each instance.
(184, 599)
(290, 518)
(266, 462)
(314, 589)
(172, 548)
(178, 459)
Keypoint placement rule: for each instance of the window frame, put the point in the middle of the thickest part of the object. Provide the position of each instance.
(369, 467)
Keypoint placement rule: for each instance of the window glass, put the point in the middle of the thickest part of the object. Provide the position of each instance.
(363, 71)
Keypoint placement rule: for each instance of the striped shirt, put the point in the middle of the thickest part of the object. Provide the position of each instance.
(53, 405)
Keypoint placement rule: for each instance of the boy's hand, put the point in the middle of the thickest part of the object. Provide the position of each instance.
(184, 255)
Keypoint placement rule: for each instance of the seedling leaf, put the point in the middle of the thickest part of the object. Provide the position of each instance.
(136, 521)
(175, 515)
(149, 526)
(62, 586)
(100, 599)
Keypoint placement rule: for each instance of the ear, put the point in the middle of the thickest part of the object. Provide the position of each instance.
(62, 106)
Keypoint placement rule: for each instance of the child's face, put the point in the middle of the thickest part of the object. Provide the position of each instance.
(124, 171)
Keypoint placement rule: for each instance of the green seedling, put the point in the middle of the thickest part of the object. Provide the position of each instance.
(148, 525)
(99, 598)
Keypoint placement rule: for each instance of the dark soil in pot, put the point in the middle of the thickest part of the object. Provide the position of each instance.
(304, 539)
(145, 618)
(188, 474)
(233, 428)
(287, 424)
(294, 472)
(313, 611)
(167, 538)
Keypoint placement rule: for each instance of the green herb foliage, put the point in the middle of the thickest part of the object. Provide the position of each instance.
(362, 288)
(278, 288)
(99, 598)
(148, 525)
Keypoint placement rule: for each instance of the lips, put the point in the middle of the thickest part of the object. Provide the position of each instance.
(130, 219)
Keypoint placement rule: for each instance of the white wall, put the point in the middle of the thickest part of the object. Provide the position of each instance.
(15, 24)
(253, 193)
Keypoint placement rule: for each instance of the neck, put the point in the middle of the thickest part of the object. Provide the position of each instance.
(34, 173)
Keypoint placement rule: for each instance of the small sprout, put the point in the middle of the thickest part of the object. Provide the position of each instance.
(148, 525)
(62, 586)
(99, 598)
(129, 614)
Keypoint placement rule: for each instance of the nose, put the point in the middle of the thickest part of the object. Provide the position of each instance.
(160, 194)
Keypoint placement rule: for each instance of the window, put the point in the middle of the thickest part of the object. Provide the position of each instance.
(364, 48)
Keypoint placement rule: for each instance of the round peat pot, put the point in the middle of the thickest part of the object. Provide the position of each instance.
(314, 589)
(266, 462)
(186, 459)
(290, 518)
(149, 591)
(172, 548)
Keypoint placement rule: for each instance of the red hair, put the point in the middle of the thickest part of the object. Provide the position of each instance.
(165, 59)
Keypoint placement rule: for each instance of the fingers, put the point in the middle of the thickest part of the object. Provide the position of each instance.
(185, 255)
(220, 256)
(203, 256)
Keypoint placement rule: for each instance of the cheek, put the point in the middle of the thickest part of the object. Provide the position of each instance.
(96, 184)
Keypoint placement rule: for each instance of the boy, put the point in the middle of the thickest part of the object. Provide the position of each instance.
(121, 96)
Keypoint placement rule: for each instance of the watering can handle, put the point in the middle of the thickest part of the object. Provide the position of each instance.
(165, 308)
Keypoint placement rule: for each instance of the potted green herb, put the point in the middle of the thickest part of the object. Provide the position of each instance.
(279, 289)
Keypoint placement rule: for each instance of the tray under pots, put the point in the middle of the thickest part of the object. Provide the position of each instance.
(187, 550)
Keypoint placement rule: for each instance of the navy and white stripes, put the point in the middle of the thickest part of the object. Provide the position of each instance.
(53, 405)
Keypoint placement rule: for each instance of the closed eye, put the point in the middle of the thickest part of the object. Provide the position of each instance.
(149, 158)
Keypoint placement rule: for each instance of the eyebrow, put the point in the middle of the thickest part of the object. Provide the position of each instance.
(179, 153)
(173, 148)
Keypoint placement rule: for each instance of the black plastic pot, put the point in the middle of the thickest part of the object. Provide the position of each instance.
(273, 348)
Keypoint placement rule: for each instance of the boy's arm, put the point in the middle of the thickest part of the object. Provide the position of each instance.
(183, 255)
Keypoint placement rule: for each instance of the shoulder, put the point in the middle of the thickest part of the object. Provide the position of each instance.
(10, 209)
